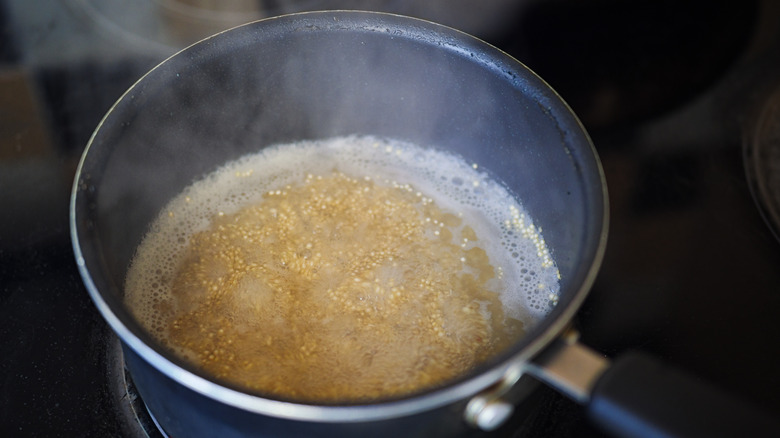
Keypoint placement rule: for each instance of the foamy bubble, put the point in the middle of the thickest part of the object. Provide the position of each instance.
(505, 230)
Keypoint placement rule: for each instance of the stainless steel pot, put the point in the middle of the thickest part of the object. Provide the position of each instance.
(325, 74)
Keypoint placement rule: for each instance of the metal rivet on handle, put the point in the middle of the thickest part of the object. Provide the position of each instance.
(493, 415)
(489, 410)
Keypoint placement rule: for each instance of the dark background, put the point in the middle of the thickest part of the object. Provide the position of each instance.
(669, 90)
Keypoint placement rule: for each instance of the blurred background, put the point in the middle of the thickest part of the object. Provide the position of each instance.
(680, 98)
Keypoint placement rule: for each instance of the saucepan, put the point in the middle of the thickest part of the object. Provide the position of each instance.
(327, 74)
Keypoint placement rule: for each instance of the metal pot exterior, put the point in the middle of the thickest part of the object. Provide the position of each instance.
(319, 75)
(184, 412)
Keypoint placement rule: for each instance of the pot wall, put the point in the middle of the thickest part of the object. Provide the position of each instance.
(321, 75)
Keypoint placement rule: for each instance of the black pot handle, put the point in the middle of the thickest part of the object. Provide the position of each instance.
(638, 396)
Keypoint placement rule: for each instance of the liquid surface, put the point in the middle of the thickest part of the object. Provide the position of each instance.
(350, 269)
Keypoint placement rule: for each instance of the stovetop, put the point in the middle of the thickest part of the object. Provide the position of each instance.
(672, 93)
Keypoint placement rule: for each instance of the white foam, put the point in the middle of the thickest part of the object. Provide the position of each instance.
(505, 230)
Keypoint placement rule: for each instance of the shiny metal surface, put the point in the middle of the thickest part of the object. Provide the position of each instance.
(537, 148)
(569, 367)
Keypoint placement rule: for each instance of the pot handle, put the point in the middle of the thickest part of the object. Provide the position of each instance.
(638, 396)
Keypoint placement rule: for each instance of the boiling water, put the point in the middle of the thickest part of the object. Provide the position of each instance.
(347, 269)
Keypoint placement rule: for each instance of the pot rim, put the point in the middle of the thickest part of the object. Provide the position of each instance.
(548, 329)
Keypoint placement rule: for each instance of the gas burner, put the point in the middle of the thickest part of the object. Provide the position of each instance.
(138, 421)
(762, 162)
(146, 421)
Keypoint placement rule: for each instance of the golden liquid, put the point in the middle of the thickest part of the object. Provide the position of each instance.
(343, 270)
(337, 289)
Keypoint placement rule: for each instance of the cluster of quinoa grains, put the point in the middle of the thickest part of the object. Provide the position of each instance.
(358, 275)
